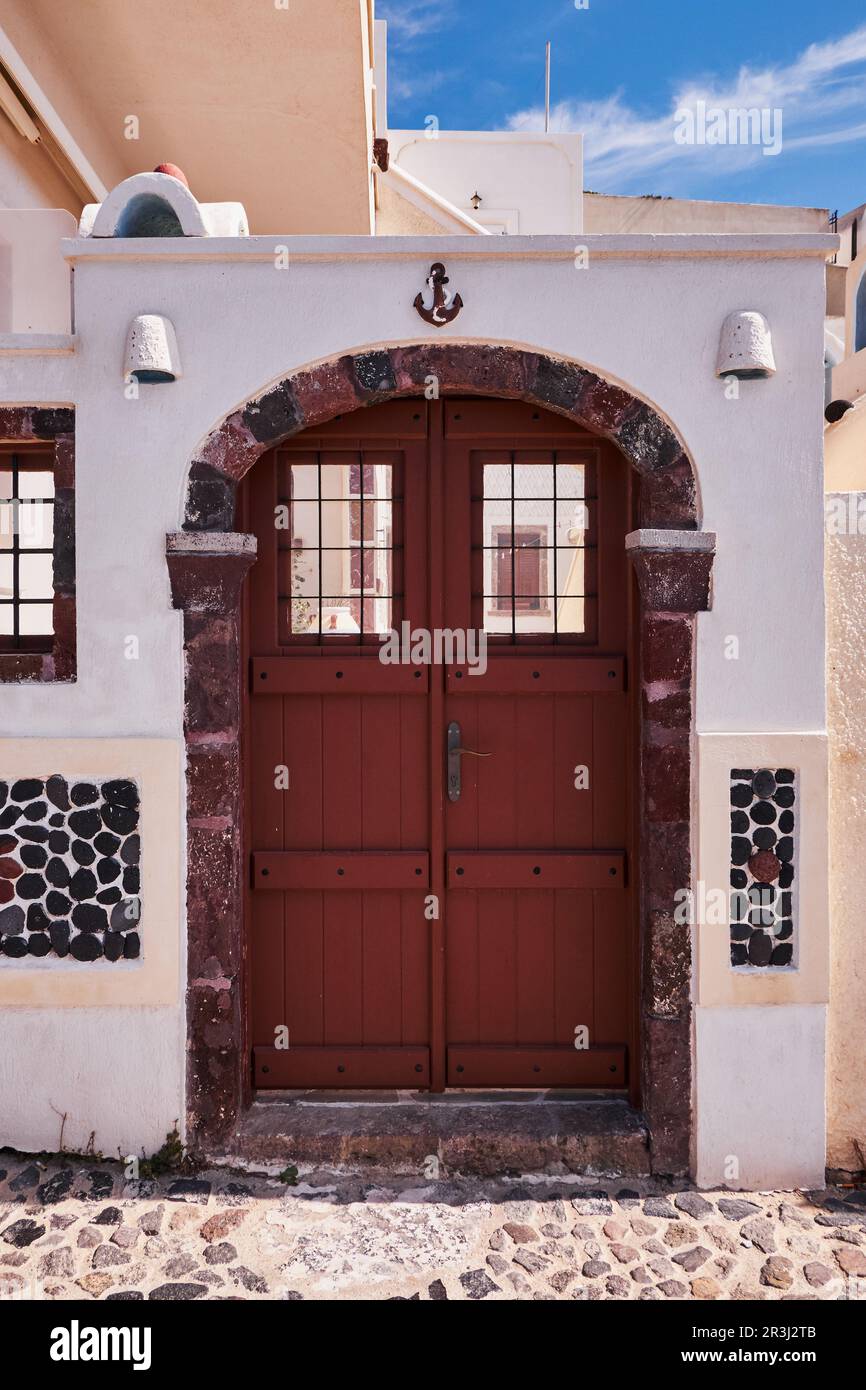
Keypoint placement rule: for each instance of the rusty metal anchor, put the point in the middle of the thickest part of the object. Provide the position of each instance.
(442, 311)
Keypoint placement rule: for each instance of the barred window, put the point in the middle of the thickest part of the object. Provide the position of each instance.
(26, 551)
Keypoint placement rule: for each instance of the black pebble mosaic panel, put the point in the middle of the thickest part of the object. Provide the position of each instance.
(763, 866)
(70, 877)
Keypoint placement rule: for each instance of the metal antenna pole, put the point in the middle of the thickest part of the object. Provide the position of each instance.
(547, 89)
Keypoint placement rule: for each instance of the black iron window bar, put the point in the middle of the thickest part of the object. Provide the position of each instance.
(540, 599)
(362, 547)
(16, 640)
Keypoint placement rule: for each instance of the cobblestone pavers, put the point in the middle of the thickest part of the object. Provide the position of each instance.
(72, 1230)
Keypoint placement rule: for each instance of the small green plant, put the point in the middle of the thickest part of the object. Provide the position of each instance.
(289, 1176)
(166, 1159)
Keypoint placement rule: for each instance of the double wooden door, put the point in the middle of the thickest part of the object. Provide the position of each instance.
(438, 752)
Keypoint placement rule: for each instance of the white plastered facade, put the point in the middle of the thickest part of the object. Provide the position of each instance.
(646, 313)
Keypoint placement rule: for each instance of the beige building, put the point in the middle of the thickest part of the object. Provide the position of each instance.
(193, 285)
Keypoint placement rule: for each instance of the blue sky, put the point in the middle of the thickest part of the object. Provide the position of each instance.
(623, 68)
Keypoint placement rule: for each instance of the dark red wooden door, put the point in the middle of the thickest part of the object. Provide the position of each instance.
(407, 931)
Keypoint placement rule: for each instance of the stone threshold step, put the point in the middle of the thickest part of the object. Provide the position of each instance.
(478, 1136)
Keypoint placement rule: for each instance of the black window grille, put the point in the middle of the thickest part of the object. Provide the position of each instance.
(26, 553)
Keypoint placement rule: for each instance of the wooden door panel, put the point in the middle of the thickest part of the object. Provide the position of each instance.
(536, 1066)
(342, 759)
(401, 938)
(611, 951)
(340, 1068)
(303, 802)
(268, 808)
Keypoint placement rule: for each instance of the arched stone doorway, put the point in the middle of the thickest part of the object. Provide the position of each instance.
(208, 561)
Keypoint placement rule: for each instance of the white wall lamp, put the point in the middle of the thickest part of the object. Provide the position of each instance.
(746, 347)
(151, 350)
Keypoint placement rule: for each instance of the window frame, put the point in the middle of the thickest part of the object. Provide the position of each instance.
(16, 461)
(46, 432)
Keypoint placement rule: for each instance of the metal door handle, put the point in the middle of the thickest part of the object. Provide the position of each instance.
(455, 753)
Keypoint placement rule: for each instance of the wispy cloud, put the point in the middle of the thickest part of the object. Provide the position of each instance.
(413, 19)
(421, 84)
(822, 96)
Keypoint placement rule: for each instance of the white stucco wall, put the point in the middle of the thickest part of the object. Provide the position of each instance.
(646, 313)
(846, 681)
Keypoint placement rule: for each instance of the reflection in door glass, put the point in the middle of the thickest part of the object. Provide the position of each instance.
(536, 536)
(336, 560)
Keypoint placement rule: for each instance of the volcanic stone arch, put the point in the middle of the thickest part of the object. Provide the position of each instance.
(669, 492)
(207, 563)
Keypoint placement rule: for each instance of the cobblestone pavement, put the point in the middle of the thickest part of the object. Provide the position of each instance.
(79, 1230)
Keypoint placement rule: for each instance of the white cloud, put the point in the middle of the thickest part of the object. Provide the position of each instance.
(817, 94)
(420, 85)
(413, 19)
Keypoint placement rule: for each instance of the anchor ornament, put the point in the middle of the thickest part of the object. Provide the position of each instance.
(444, 309)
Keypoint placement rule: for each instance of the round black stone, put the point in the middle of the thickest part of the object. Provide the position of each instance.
(85, 823)
(37, 834)
(58, 904)
(60, 937)
(38, 944)
(9, 816)
(763, 837)
(761, 917)
(14, 946)
(58, 842)
(131, 879)
(37, 810)
(131, 946)
(739, 823)
(121, 819)
(741, 849)
(741, 794)
(739, 904)
(762, 894)
(786, 822)
(739, 878)
(785, 904)
(123, 793)
(113, 946)
(82, 885)
(131, 852)
(57, 873)
(88, 917)
(786, 877)
(784, 796)
(27, 788)
(125, 914)
(83, 852)
(785, 930)
(107, 870)
(760, 948)
(4, 792)
(785, 849)
(37, 918)
(57, 820)
(12, 920)
(109, 896)
(782, 954)
(764, 783)
(739, 954)
(83, 793)
(105, 843)
(30, 886)
(740, 931)
(784, 774)
(33, 856)
(763, 813)
(86, 946)
(57, 792)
